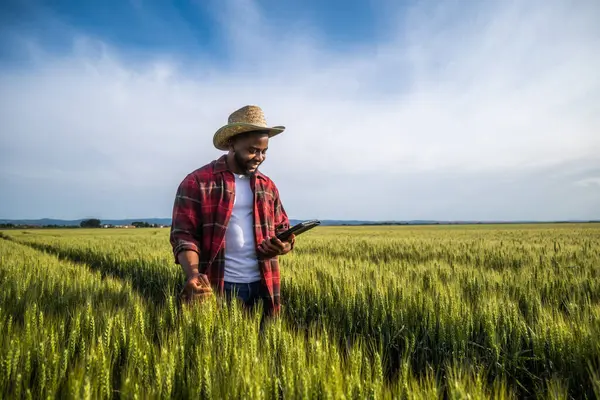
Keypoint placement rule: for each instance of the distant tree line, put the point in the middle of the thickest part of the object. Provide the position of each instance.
(29, 226)
(91, 223)
(96, 223)
(139, 224)
(87, 223)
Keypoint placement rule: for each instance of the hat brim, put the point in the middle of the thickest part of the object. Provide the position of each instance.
(222, 136)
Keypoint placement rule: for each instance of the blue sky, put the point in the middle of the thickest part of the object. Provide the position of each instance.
(394, 110)
(186, 27)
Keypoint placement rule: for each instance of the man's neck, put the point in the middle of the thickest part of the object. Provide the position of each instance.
(232, 166)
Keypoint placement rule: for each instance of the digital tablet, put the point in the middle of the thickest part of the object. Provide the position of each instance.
(298, 229)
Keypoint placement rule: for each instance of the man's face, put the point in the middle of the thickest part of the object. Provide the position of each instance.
(250, 151)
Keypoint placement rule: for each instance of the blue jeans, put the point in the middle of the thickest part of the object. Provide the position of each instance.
(249, 293)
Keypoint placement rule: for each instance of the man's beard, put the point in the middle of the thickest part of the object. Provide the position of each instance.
(242, 165)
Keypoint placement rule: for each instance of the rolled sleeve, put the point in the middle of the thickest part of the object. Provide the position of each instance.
(186, 221)
(282, 221)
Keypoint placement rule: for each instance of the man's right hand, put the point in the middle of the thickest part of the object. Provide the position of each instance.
(197, 287)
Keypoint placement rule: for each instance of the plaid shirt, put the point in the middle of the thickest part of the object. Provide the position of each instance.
(201, 212)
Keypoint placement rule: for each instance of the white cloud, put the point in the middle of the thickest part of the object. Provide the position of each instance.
(510, 89)
(589, 182)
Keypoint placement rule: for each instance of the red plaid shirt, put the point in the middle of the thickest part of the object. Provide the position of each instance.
(203, 206)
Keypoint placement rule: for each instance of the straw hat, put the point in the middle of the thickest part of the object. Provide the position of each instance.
(248, 118)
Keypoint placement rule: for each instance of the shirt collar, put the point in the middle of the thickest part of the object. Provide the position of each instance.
(221, 166)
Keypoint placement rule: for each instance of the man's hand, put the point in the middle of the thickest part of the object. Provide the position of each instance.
(272, 247)
(197, 287)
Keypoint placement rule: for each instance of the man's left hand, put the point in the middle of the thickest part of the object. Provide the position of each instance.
(272, 247)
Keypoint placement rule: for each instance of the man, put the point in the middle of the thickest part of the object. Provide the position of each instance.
(226, 216)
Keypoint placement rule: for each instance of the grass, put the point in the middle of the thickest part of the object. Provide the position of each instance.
(503, 311)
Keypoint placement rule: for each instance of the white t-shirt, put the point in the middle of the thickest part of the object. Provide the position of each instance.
(241, 265)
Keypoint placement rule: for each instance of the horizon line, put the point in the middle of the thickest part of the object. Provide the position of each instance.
(141, 219)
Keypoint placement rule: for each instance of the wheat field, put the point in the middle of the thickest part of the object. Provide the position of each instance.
(406, 312)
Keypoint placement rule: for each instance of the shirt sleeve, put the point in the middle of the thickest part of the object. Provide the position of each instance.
(282, 222)
(186, 222)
